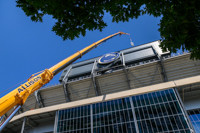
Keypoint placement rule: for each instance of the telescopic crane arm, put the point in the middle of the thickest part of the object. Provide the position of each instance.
(17, 97)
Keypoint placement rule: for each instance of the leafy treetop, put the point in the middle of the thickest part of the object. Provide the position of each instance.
(179, 26)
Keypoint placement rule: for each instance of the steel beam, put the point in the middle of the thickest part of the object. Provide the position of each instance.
(23, 125)
(39, 99)
(134, 116)
(66, 91)
(9, 117)
(127, 78)
(125, 71)
(91, 119)
(163, 73)
(94, 80)
(184, 110)
(56, 122)
(65, 85)
(96, 86)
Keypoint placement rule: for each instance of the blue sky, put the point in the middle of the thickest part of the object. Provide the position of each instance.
(27, 47)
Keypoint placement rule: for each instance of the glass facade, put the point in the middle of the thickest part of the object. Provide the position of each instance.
(194, 116)
(114, 116)
(74, 120)
(159, 112)
(147, 113)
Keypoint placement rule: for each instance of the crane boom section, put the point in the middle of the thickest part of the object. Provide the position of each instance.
(20, 94)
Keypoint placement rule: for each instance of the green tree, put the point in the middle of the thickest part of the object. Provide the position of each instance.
(179, 26)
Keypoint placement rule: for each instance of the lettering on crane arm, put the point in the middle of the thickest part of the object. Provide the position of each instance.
(26, 85)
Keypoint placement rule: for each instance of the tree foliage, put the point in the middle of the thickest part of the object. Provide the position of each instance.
(179, 26)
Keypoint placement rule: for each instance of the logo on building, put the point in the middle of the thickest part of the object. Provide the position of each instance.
(108, 58)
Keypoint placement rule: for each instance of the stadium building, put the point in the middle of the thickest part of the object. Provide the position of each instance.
(136, 90)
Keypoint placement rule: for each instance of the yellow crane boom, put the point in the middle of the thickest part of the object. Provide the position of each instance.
(18, 96)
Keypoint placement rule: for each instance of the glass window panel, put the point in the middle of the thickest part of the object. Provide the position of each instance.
(172, 93)
(109, 106)
(196, 126)
(163, 96)
(149, 127)
(173, 108)
(75, 124)
(169, 124)
(141, 113)
(72, 113)
(133, 127)
(127, 103)
(106, 119)
(85, 111)
(97, 108)
(146, 115)
(163, 124)
(146, 99)
(122, 116)
(150, 98)
(178, 108)
(144, 126)
(111, 129)
(155, 97)
(140, 127)
(100, 107)
(126, 115)
(154, 111)
(134, 101)
(150, 112)
(154, 127)
(64, 115)
(116, 105)
(76, 112)
(115, 128)
(163, 108)
(107, 129)
(129, 128)
(153, 114)
(130, 115)
(173, 121)
(103, 129)
(159, 125)
(113, 105)
(159, 97)
(118, 117)
(79, 111)
(194, 117)
(168, 108)
(124, 128)
(167, 93)
(178, 122)
(120, 103)
(159, 110)
(120, 128)
(105, 107)
(99, 121)
(88, 110)
(110, 118)
(183, 121)
(60, 115)
(142, 100)
(138, 101)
